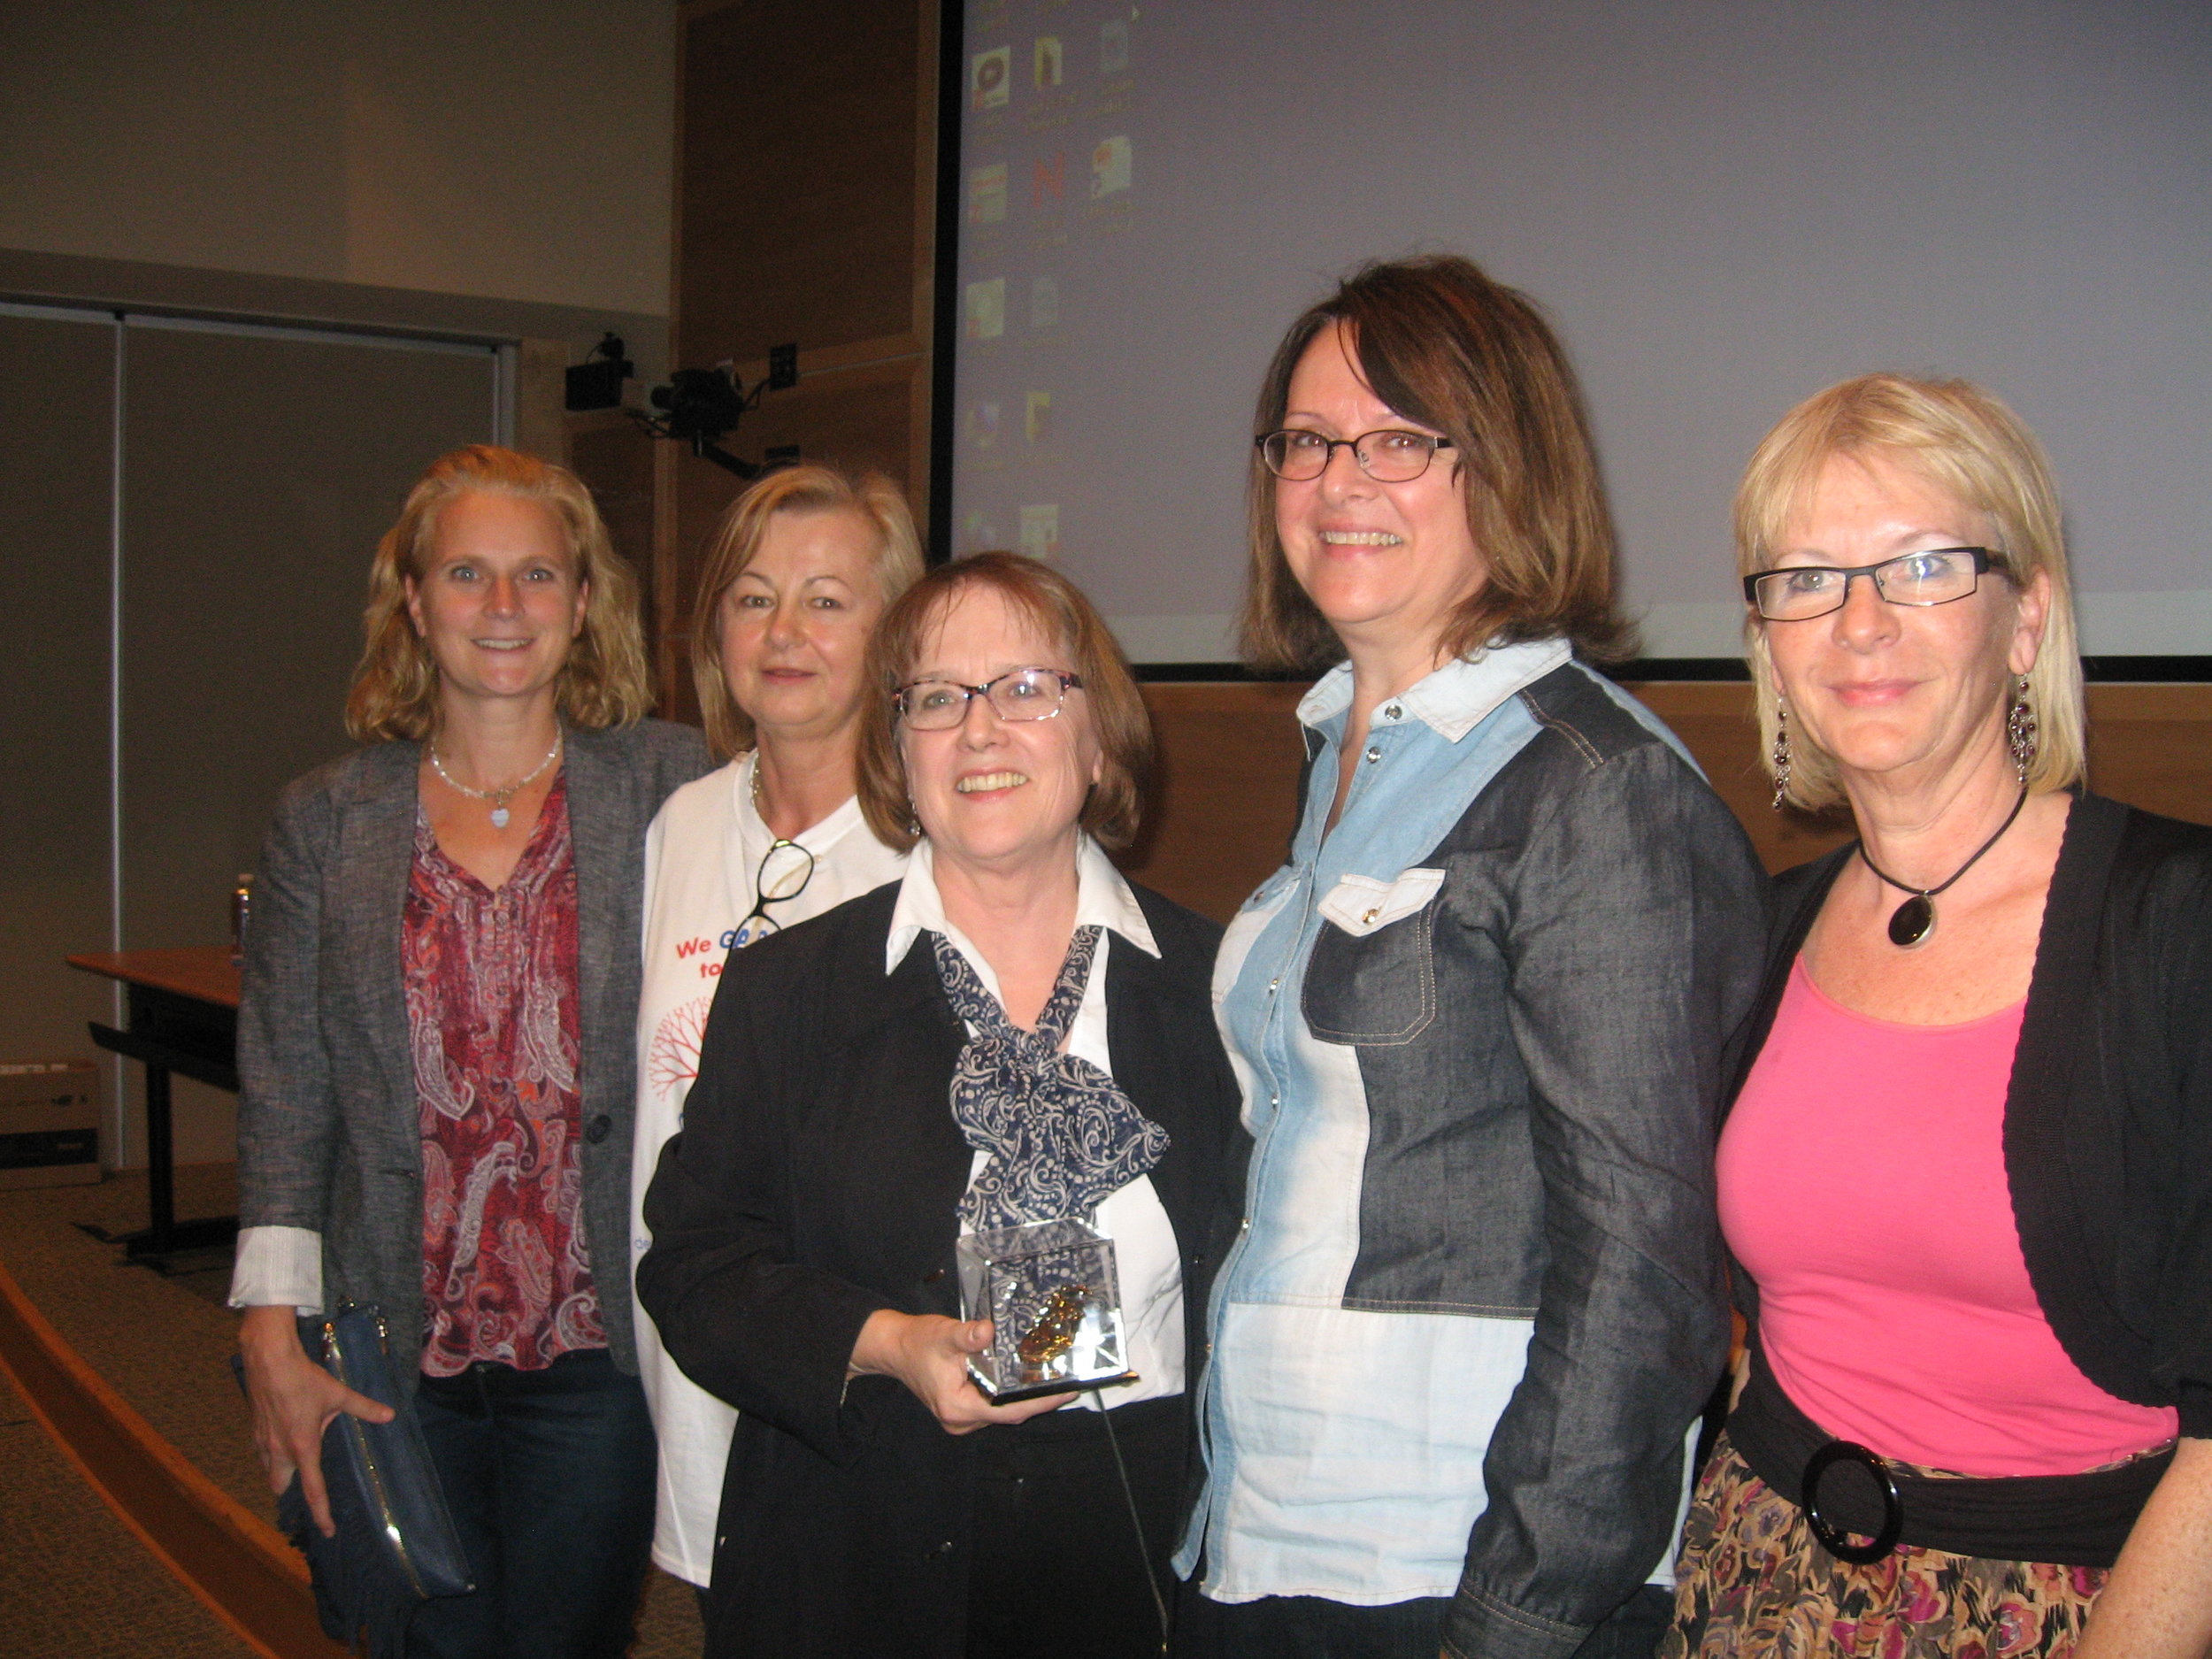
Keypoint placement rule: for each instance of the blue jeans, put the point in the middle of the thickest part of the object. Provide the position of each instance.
(1309, 1627)
(549, 1475)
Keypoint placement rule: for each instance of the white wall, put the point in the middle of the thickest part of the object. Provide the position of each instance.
(516, 150)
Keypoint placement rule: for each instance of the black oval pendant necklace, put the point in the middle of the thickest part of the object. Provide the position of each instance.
(1913, 922)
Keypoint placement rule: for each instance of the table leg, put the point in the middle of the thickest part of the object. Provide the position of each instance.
(161, 1166)
(164, 1234)
(158, 1050)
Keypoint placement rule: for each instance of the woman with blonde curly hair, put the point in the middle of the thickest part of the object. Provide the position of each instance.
(1966, 1174)
(435, 1056)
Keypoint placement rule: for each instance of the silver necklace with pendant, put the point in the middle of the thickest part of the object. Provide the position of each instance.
(498, 797)
(1913, 923)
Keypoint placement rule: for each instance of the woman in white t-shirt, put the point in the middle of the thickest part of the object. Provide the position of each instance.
(796, 575)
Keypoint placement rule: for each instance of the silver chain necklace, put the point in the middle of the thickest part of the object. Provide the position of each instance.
(497, 798)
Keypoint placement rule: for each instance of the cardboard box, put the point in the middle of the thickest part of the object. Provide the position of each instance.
(50, 1124)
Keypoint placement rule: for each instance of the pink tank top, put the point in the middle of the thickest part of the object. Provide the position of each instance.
(1862, 1186)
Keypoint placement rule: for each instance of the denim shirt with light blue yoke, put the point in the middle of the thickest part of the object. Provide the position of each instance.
(1345, 1424)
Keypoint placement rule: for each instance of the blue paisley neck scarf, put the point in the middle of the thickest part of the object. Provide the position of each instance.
(1061, 1136)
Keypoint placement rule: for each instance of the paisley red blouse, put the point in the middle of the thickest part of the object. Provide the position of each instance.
(493, 1020)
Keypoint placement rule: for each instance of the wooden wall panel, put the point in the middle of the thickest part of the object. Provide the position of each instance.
(1224, 805)
(805, 213)
(860, 417)
(1224, 801)
(614, 455)
(796, 176)
(2151, 746)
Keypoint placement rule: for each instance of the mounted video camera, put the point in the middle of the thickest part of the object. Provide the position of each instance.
(702, 406)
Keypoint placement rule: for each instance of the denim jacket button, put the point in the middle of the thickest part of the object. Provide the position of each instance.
(1373, 753)
(1395, 712)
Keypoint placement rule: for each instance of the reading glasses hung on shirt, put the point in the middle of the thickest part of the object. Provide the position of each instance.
(1390, 455)
(785, 870)
(1025, 694)
(1798, 592)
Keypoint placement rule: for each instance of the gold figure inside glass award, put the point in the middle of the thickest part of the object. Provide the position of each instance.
(1050, 1292)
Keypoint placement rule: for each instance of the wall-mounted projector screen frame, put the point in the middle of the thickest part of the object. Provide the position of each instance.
(1722, 206)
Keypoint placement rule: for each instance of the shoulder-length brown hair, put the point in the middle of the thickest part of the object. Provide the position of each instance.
(1962, 440)
(736, 542)
(1062, 614)
(1445, 346)
(604, 683)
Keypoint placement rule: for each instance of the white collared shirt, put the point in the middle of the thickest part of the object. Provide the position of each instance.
(1145, 1253)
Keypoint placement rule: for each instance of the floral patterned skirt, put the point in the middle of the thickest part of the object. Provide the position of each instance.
(1754, 1584)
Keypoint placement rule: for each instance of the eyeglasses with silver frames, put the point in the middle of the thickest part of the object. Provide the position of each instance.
(1388, 455)
(1024, 694)
(1936, 576)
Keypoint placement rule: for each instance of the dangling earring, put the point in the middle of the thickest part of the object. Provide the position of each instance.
(913, 820)
(2020, 731)
(1781, 753)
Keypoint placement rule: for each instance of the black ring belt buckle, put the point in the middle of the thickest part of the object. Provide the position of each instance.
(1834, 1539)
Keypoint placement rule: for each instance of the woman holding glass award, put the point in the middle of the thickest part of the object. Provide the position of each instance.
(992, 1088)
(796, 575)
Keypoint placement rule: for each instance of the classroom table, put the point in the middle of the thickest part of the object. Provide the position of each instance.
(183, 1018)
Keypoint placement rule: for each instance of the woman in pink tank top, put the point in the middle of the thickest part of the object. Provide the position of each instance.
(1967, 1174)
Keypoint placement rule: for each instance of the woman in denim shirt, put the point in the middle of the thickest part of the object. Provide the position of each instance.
(1477, 1301)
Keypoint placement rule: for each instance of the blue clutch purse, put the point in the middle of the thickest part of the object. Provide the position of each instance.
(395, 1545)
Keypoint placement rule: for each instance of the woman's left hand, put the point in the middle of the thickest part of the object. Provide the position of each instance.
(929, 1354)
(2158, 1603)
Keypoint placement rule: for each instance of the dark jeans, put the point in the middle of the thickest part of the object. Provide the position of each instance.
(550, 1476)
(1058, 1573)
(1309, 1627)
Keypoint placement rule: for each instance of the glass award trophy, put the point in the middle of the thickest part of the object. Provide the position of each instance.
(1049, 1290)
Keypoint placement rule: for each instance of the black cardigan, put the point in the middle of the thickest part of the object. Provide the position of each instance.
(2109, 1115)
(816, 1180)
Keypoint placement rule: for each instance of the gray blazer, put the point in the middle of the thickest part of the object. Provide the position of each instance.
(328, 1116)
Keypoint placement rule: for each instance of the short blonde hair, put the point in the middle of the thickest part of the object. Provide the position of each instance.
(1444, 344)
(1958, 438)
(735, 544)
(1063, 614)
(604, 682)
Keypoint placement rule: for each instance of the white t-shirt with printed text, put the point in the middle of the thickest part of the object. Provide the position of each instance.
(702, 854)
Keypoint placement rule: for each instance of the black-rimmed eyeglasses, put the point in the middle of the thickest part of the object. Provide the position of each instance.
(1389, 454)
(1026, 693)
(785, 870)
(1798, 592)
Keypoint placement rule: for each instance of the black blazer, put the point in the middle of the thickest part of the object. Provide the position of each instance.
(2108, 1114)
(816, 1180)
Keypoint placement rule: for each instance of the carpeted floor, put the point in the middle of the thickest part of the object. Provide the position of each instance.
(73, 1580)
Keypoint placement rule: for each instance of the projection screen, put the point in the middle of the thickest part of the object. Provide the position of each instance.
(1723, 204)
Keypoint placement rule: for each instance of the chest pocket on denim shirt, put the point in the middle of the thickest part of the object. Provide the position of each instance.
(1371, 978)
